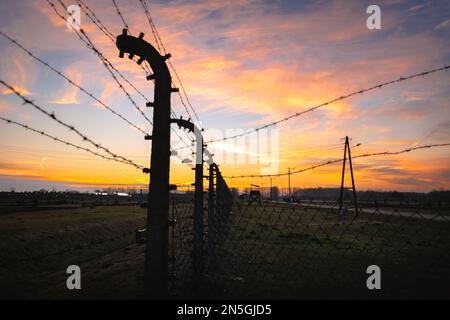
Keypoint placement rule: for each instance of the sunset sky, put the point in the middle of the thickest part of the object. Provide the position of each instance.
(243, 63)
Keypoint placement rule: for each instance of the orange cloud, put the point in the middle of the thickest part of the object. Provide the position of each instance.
(17, 76)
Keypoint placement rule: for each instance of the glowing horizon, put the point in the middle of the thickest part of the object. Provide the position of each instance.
(243, 64)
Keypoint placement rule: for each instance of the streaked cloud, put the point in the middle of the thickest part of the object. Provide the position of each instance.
(245, 63)
(443, 24)
(69, 96)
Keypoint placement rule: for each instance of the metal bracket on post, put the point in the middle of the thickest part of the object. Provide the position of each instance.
(156, 252)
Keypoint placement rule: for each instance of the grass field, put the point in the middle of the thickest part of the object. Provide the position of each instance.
(268, 250)
(37, 243)
(284, 251)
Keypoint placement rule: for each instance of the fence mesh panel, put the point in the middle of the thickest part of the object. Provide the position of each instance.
(274, 249)
(281, 250)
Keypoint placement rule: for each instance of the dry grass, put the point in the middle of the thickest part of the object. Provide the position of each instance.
(33, 244)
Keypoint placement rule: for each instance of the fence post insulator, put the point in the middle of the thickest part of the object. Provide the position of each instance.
(172, 187)
(131, 56)
(141, 35)
(167, 56)
(151, 77)
(175, 89)
(124, 32)
(121, 54)
(146, 170)
(150, 104)
(139, 62)
(148, 137)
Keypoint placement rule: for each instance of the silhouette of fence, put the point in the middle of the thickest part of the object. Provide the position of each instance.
(247, 249)
(306, 250)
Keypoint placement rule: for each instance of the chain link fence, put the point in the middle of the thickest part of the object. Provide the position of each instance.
(272, 249)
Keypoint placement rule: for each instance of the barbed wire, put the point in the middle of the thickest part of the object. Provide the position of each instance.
(385, 153)
(295, 115)
(108, 65)
(96, 20)
(68, 126)
(101, 26)
(161, 46)
(187, 145)
(43, 133)
(389, 153)
(90, 14)
(150, 20)
(119, 13)
(105, 30)
(93, 17)
(70, 81)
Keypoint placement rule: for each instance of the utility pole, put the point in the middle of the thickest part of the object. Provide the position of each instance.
(341, 195)
(289, 184)
(271, 193)
(353, 179)
(156, 250)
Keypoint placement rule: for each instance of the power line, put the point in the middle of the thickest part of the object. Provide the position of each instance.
(295, 115)
(385, 153)
(43, 133)
(61, 74)
(68, 126)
